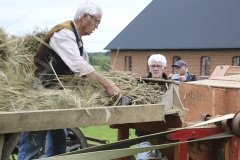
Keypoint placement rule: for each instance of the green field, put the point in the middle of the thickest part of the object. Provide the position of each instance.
(104, 132)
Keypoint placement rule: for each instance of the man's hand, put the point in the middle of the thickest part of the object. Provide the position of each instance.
(169, 76)
(113, 90)
(182, 78)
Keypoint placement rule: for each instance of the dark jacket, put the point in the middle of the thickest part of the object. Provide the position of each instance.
(149, 75)
(191, 77)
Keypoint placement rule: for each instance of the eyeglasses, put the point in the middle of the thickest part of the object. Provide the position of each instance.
(97, 21)
(157, 66)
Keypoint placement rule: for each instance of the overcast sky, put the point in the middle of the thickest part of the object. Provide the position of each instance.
(22, 17)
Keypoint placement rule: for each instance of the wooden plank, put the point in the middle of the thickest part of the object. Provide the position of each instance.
(219, 71)
(235, 78)
(233, 70)
(217, 83)
(209, 98)
(123, 133)
(12, 122)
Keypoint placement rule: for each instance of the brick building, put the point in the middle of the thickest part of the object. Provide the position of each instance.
(203, 33)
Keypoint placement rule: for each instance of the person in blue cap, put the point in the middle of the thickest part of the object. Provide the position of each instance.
(181, 70)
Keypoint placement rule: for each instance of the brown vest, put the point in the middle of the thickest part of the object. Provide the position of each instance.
(45, 54)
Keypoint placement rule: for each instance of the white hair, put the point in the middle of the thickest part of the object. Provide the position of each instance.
(157, 58)
(87, 7)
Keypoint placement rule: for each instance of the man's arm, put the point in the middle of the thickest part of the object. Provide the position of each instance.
(64, 43)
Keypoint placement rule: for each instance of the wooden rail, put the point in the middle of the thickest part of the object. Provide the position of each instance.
(11, 122)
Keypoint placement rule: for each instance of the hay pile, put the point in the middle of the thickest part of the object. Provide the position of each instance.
(17, 82)
(20, 90)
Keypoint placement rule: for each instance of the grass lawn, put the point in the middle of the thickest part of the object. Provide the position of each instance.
(104, 132)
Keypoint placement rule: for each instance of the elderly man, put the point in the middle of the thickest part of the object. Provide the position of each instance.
(182, 70)
(157, 64)
(63, 54)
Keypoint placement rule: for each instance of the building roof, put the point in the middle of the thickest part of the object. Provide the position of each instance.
(182, 24)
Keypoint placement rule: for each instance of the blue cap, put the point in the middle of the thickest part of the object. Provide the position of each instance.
(180, 63)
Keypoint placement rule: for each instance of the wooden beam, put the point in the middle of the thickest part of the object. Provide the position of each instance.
(123, 133)
(216, 83)
(12, 122)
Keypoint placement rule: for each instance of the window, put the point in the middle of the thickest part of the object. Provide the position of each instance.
(236, 61)
(175, 59)
(128, 63)
(205, 64)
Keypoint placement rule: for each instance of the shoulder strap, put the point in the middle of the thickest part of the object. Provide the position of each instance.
(77, 39)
